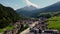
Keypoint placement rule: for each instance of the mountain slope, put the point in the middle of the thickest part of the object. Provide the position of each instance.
(26, 11)
(52, 8)
(7, 15)
(36, 13)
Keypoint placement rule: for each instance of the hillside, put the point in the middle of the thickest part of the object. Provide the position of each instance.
(26, 11)
(54, 23)
(49, 9)
(7, 16)
(48, 14)
(29, 12)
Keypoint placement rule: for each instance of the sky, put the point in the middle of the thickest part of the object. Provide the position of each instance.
(16, 4)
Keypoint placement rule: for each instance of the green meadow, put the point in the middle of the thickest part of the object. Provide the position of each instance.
(54, 23)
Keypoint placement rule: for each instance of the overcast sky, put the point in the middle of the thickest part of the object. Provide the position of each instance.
(16, 4)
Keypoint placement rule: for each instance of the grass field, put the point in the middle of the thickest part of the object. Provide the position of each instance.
(54, 23)
(6, 28)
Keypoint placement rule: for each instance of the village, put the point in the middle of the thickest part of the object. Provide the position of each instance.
(34, 27)
(41, 28)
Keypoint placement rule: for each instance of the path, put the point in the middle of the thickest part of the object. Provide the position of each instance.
(28, 29)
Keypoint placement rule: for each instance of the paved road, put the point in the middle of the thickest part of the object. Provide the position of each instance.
(28, 29)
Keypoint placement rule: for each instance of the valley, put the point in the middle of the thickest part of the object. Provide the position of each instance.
(30, 19)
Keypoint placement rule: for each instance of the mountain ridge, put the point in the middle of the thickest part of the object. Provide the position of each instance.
(52, 8)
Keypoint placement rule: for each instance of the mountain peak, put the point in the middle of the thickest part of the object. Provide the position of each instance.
(28, 8)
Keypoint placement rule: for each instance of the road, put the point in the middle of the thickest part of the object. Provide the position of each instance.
(28, 29)
(0, 33)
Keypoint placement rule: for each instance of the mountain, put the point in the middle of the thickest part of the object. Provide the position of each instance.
(7, 16)
(26, 11)
(52, 8)
(28, 8)
(34, 13)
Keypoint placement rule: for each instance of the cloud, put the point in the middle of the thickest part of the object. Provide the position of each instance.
(29, 4)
